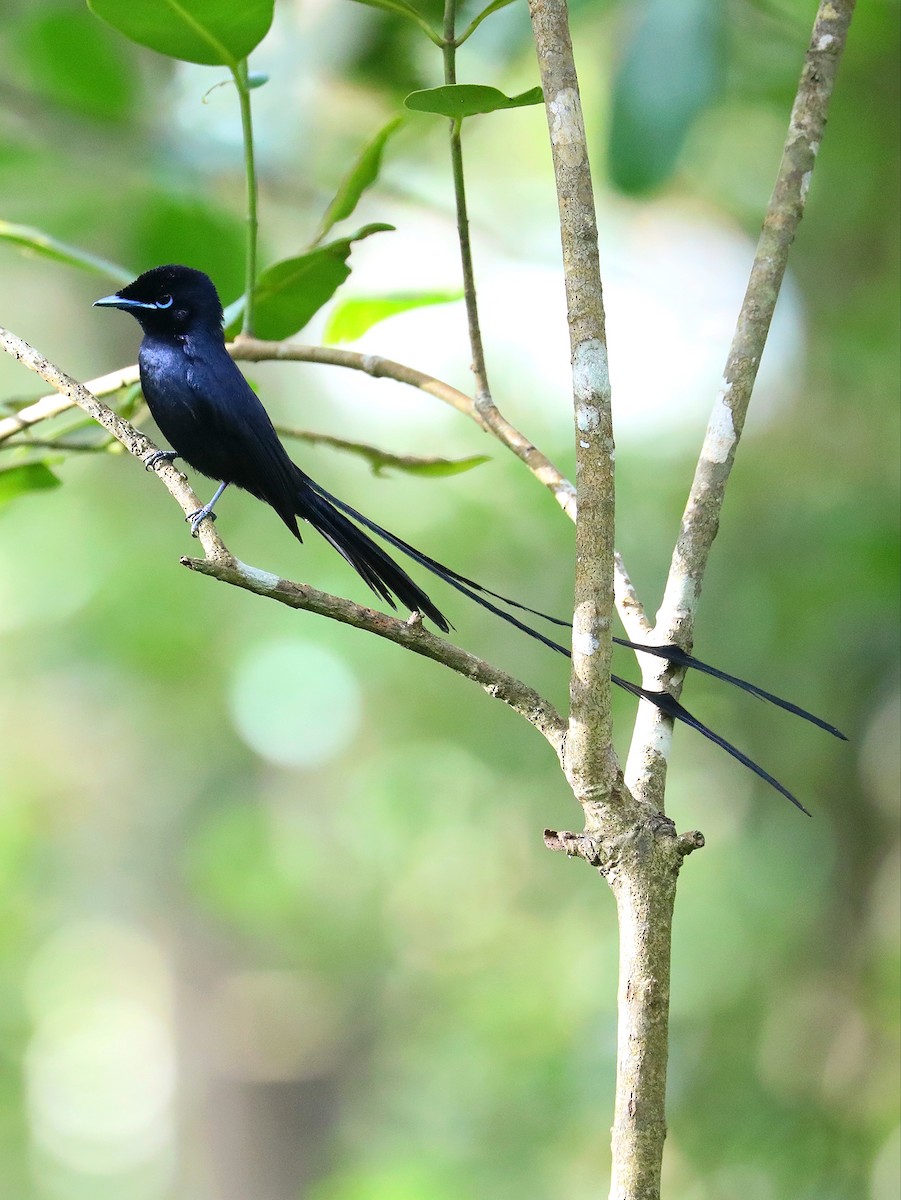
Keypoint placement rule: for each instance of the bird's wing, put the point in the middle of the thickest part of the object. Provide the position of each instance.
(235, 420)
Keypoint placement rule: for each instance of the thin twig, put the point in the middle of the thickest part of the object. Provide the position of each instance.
(53, 405)
(379, 460)
(242, 84)
(479, 371)
(221, 564)
(62, 444)
(255, 350)
(382, 460)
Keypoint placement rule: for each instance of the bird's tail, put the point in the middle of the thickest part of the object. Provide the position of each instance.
(369, 560)
(415, 598)
(469, 587)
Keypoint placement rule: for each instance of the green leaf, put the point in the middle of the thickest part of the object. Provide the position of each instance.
(671, 69)
(289, 293)
(468, 99)
(29, 477)
(361, 176)
(36, 241)
(402, 9)
(210, 32)
(434, 467)
(352, 317)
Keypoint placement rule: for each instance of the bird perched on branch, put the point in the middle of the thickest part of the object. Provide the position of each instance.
(214, 420)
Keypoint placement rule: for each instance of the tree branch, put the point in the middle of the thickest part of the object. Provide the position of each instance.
(646, 766)
(252, 350)
(221, 564)
(409, 634)
(591, 765)
(488, 418)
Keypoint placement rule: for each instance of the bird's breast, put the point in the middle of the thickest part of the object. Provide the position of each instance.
(172, 381)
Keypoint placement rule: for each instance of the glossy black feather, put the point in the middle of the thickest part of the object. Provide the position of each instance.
(681, 658)
(672, 708)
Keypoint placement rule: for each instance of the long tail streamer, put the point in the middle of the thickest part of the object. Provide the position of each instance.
(663, 701)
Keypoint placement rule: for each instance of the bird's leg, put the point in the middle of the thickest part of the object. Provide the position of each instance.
(207, 511)
(156, 456)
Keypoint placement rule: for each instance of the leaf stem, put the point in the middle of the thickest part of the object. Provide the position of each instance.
(480, 374)
(239, 74)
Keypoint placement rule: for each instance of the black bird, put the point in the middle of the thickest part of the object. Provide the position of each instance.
(214, 420)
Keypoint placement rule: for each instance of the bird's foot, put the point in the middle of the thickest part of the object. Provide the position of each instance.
(150, 460)
(414, 620)
(200, 515)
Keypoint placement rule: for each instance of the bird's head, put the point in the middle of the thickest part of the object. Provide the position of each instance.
(169, 300)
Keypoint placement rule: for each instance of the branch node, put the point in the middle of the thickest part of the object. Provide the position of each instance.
(573, 845)
(690, 841)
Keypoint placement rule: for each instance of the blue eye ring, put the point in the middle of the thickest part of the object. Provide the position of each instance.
(164, 302)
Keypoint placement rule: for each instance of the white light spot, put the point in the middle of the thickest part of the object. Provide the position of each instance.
(100, 1068)
(720, 436)
(100, 1081)
(805, 185)
(295, 702)
(585, 445)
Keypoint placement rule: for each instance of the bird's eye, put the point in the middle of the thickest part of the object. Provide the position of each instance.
(164, 302)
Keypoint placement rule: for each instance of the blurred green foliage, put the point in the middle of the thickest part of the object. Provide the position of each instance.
(278, 921)
(671, 69)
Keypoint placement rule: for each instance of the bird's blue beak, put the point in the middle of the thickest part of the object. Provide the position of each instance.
(115, 301)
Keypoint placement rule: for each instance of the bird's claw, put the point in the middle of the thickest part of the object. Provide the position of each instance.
(200, 515)
(155, 456)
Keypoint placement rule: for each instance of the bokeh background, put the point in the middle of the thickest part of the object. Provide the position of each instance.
(277, 920)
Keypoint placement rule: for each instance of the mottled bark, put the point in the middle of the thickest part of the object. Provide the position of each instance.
(590, 763)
